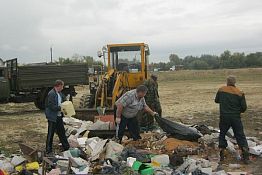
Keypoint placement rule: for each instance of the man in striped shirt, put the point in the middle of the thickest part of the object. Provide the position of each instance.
(128, 106)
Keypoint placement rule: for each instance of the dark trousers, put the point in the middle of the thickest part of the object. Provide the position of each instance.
(59, 128)
(132, 125)
(237, 126)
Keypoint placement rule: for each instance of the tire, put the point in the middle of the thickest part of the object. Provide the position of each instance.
(40, 104)
(36, 104)
(87, 101)
(40, 100)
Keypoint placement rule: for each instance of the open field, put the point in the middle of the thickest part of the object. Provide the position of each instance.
(186, 96)
(189, 96)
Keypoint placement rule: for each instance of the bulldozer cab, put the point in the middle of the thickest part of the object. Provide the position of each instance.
(130, 58)
(126, 69)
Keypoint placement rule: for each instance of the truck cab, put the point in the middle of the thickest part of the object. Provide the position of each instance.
(4, 84)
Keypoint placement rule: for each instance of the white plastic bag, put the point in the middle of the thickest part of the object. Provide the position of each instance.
(113, 150)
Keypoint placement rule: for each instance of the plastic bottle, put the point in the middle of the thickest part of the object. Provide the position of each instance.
(162, 159)
(237, 155)
(235, 166)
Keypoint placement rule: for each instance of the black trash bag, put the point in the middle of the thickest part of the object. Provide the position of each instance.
(25, 172)
(203, 129)
(176, 160)
(133, 152)
(110, 167)
(177, 130)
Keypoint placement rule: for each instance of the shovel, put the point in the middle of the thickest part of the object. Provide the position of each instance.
(101, 110)
(117, 129)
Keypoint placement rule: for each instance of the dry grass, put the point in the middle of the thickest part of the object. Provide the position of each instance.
(188, 96)
(185, 95)
(252, 74)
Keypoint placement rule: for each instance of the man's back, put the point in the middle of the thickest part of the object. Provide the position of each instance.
(232, 101)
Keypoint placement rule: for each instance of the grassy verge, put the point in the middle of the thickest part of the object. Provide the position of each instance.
(254, 74)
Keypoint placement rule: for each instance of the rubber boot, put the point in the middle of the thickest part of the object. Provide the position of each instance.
(245, 155)
(222, 154)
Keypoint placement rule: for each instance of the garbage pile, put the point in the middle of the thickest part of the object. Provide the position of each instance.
(173, 148)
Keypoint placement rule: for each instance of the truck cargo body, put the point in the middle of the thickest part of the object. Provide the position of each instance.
(32, 77)
(32, 83)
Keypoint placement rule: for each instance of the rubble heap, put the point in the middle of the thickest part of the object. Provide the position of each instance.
(158, 152)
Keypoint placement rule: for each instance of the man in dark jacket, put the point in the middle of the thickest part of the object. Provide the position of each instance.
(55, 117)
(152, 100)
(232, 103)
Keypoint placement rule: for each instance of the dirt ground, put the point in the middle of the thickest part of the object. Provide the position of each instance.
(186, 96)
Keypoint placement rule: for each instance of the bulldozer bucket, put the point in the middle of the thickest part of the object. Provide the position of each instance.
(89, 114)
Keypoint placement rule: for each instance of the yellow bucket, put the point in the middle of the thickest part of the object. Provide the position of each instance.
(28, 166)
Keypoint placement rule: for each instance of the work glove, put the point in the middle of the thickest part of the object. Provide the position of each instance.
(118, 119)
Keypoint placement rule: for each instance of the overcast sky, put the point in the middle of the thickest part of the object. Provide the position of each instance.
(186, 27)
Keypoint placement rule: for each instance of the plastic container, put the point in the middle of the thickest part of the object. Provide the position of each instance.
(68, 109)
(162, 159)
(146, 170)
(75, 152)
(136, 165)
(28, 166)
(130, 161)
(143, 169)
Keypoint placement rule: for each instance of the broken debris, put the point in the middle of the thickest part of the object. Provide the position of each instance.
(175, 149)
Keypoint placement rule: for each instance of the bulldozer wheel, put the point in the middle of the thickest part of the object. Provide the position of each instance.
(87, 101)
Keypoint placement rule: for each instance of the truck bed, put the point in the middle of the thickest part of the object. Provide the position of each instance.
(30, 77)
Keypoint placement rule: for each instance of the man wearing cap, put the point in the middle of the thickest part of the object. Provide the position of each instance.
(152, 100)
(232, 103)
(127, 107)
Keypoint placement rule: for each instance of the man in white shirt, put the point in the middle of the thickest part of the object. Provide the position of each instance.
(55, 117)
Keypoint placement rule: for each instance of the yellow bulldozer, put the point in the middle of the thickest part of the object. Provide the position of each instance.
(127, 67)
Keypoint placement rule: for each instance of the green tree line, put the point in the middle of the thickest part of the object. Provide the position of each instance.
(78, 59)
(225, 60)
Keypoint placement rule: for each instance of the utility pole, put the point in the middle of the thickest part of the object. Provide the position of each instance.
(51, 52)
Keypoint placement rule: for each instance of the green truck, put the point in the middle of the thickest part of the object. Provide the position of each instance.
(31, 83)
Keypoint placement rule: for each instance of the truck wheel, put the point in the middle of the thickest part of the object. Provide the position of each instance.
(40, 100)
(39, 104)
(87, 101)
